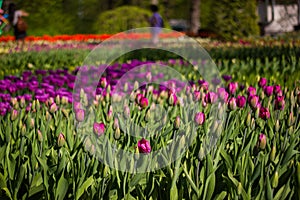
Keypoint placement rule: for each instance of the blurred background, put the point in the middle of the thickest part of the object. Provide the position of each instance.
(222, 19)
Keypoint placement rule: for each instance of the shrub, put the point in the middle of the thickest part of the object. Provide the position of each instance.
(234, 19)
(122, 19)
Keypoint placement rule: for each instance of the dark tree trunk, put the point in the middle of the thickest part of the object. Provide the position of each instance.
(195, 17)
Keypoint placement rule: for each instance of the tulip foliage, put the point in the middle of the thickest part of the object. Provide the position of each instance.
(257, 125)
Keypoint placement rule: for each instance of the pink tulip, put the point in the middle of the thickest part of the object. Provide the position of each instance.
(99, 128)
(199, 118)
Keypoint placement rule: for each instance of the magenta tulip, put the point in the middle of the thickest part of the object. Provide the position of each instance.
(264, 113)
(144, 146)
(279, 103)
(262, 82)
(241, 101)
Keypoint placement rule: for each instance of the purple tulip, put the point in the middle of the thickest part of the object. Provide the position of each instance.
(232, 103)
(144, 146)
(199, 118)
(251, 91)
(262, 141)
(99, 128)
(240, 101)
(264, 113)
(262, 82)
(203, 84)
(232, 87)
(227, 77)
(253, 101)
(279, 103)
(268, 90)
(211, 97)
(79, 114)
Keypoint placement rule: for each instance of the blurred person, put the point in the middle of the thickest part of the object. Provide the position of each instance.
(156, 23)
(3, 20)
(18, 24)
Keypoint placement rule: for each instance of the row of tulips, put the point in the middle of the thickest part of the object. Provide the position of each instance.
(50, 148)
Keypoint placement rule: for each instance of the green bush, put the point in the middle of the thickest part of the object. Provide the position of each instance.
(122, 19)
(234, 19)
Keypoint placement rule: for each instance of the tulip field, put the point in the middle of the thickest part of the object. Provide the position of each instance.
(49, 147)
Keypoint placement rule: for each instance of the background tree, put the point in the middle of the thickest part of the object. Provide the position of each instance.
(195, 17)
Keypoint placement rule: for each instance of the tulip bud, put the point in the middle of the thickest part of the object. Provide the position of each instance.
(103, 82)
(273, 153)
(22, 102)
(277, 126)
(109, 115)
(14, 114)
(79, 115)
(87, 144)
(126, 112)
(126, 87)
(64, 100)
(148, 76)
(298, 173)
(61, 140)
(40, 136)
(253, 124)
(291, 119)
(232, 103)
(99, 128)
(201, 153)
(275, 180)
(240, 188)
(53, 108)
(262, 141)
(116, 123)
(33, 105)
(117, 133)
(23, 130)
(135, 85)
(177, 122)
(248, 120)
(57, 99)
(172, 99)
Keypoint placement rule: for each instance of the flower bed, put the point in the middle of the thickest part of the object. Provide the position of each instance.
(43, 155)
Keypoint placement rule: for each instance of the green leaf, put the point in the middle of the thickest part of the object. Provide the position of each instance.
(84, 187)
(221, 196)
(136, 179)
(62, 188)
(174, 192)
